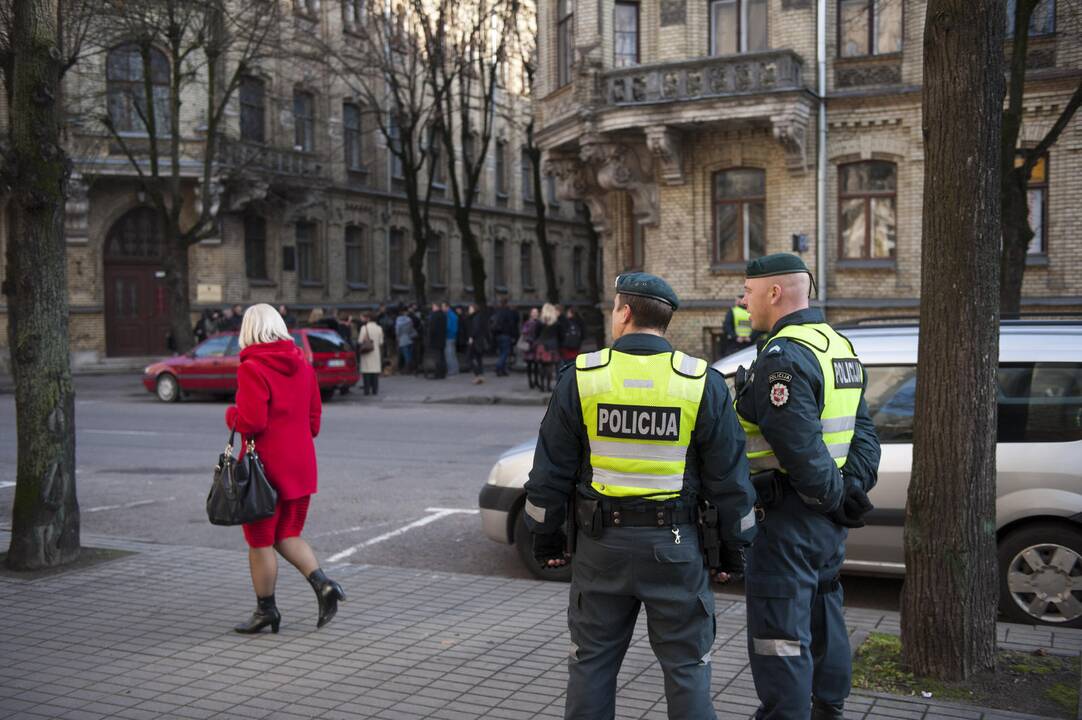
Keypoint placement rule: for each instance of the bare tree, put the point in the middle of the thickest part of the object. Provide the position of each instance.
(533, 152)
(1017, 232)
(182, 49)
(949, 597)
(45, 514)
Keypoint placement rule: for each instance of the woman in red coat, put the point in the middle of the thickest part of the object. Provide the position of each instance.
(278, 403)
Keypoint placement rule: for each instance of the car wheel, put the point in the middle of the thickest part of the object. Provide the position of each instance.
(524, 546)
(325, 394)
(1040, 569)
(167, 388)
(344, 390)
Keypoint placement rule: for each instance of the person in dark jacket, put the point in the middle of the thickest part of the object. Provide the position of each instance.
(547, 348)
(477, 337)
(278, 404)
(437, 342)
(571, 332)
(527, 343)
(505, 328)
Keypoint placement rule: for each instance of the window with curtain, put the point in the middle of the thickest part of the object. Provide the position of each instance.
(869, 27)
(356, 256)
(304, 121)
(1041, 22)
(499, 263)
(309, 268)
(437, 164)
(394, 140)
(396, 256)
(352, 12)
(565, 40)
(255, 247)
(578, 272)
(867, 210)
(124, 74)
(625, 31)
(252, 94)
(501, 168)
(351, 135)
(467, 273)
(1037, 197)
(739, 215)
(434, 255)
(525, 254)
(526, 169)
(737, 26)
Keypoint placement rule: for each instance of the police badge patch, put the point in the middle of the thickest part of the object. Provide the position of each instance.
(779, 394)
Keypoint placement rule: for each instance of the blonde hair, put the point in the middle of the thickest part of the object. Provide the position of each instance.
(549, 314)
(262, 324)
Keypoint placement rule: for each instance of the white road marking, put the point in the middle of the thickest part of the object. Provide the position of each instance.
(345, 531)
(122, 432)
(437, 514)
(6, 484)
(137, 503)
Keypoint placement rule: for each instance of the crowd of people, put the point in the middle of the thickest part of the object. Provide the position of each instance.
(430, 342)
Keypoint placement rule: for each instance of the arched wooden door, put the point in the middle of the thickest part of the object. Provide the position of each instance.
(136, 298)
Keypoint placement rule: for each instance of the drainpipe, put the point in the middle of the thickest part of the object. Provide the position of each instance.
(821, 153)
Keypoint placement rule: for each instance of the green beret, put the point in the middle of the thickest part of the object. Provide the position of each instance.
(647, 285)
(776, 264)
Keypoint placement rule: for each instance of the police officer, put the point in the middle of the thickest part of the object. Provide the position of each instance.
(634, 436)
(737, 327)
(814, 456)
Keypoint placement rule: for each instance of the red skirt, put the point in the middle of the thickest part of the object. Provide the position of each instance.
(286, 522)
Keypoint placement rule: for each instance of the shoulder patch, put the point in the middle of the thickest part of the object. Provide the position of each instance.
(779, 393)
(774, 349)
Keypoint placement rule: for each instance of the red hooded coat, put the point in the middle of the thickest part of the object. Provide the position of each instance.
(278, 402)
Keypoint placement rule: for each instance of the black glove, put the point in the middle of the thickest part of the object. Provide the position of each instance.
(855, 504)
(549, 546)
(731, 563)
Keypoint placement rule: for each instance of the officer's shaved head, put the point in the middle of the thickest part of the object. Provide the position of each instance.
(770, 298)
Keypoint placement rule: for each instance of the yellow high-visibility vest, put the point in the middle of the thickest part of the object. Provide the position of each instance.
(639, 412)
(843, 382)
(741, 322)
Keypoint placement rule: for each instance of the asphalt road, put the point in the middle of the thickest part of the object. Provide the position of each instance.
(398, 481)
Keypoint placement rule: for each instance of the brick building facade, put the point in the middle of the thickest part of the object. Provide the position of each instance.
(310, 213)
(692, 130)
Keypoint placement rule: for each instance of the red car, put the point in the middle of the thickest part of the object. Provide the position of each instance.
(211, 366)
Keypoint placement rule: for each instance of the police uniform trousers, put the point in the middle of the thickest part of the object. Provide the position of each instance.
(612, 578)
(797, 641)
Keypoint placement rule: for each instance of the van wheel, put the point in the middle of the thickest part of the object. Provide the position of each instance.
(524, 547)
(1040, 575)
(167, 388)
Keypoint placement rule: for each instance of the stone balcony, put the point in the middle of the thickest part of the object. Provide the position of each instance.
(704, 78)
(251, 170)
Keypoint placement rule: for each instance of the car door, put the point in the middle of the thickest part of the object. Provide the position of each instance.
(204, 373)
(227, 379)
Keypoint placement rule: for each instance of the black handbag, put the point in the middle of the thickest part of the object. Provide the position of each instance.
(241, 492)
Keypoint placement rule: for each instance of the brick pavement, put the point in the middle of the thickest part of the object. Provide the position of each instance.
(148, 636)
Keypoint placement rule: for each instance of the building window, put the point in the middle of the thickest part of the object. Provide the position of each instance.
(1037, 199)
(467, 270)
(526, 168)
(396, 256)
(525, 255)
(737, 26)
(499, 264)
(306, 7)
(550, 193)
(255, 247)
(565, 40)
(867, 209)
(304, 121)
(124, 74)
(352, 13)
(437, 165)
(869, 27)
(394, 147)
(739, 215)
(356, 256)
(351, 135)
(577, 267)
(501, 170)
(252, 109)
(636, 236)
(308, 265)
(434, 256)
(1041, 22)
(625, 30)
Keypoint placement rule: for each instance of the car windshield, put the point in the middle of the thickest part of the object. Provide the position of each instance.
(326, 341)
(214, 347)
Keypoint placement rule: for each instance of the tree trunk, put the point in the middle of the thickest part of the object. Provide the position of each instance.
(950, 593)
(176, 264)
(1016, 236)
(477, 258)
(45, 514)
(548, 257)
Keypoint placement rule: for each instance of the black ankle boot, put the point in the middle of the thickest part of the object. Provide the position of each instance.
(266, 613)
(826, 711)
(328, 593)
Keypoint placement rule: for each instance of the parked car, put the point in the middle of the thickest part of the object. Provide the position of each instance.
(1039, 462)
(211, 366)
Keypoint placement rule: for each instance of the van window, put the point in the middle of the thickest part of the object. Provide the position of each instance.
(298, 339)
(891, 395)
(1040, 402)
(326, 341)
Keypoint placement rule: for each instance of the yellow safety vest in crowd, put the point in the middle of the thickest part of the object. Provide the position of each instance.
(843, 382)
(741, 322)
(639, 411)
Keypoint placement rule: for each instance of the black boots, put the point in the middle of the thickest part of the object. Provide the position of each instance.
(826, 711)
(266, 613)
(328, 593)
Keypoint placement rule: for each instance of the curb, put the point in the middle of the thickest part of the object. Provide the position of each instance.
(489, 400)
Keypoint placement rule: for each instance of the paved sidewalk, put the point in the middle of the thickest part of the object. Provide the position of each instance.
(148, 636)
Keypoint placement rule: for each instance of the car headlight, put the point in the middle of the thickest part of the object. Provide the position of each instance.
(493, 475)
(146, 370)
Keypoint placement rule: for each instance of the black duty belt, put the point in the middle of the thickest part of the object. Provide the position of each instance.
(664, 516)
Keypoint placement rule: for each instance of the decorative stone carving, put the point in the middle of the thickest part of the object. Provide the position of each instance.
(243, 194)
(666, 145)
(875, 73)
(619, 166)
(576, 181)
(77, 210)
(791, 130)
(674, 12)
(1039, 58)
(212, 196)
